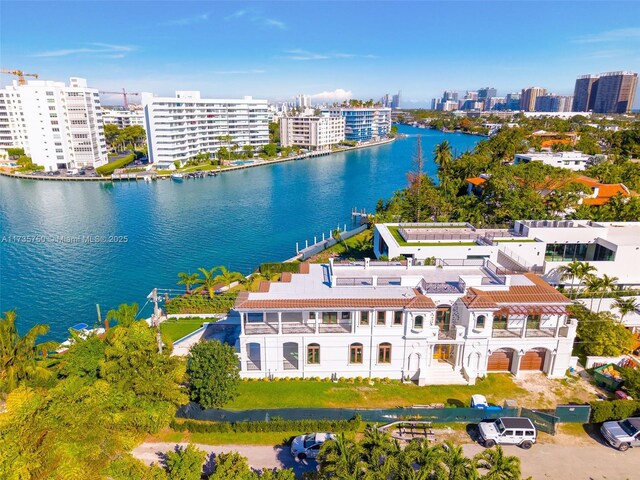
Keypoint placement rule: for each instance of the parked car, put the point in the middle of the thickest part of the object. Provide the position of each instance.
(622, 434)
(508, 431)
(308, 446)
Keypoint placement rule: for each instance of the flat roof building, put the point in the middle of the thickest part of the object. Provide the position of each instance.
(573, 160)
(312, 132)
(611, 92)
(363, 124)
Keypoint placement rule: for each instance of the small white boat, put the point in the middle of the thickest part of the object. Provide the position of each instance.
(177, 177)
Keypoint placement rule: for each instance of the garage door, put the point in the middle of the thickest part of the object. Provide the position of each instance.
(500, 361)
(532, 361)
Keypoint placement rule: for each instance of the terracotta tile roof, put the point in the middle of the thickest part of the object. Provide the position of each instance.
(286, 277)
(419, 301)
(476, 181)
(539, 293)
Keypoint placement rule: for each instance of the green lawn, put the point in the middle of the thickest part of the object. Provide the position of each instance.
(401, 241)
(177, 328)
(324, 394)
(358, 247)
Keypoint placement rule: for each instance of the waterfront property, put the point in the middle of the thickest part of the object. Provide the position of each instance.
(60, 127)
(573, 160)
(539, 246)
(363, 124)
(179, 128)
(312, 132)
(431, 325)
(123, 118)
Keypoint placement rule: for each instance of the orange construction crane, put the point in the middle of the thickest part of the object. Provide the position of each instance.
(20, 74)
(124, 94)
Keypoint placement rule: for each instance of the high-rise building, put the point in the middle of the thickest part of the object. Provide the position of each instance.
(123, 118)
(450, 95)
(471, 95)
(487, 92)
(553, 103)
(435, 103)
(395, 101)
(611, 92)
(363, 124)
(312, 132)
(495, 103)
(513, 101)
(386, 100)
(528, 98)
(303, 101)
(584, 93)
(60, 127)
(178, 128)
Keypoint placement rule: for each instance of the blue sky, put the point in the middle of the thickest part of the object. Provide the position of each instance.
(278, 49)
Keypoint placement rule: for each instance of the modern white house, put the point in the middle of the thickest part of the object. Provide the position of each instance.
(123, 118)
(179, 128)
(427, 324)
(363, 124)
(539, 246)
(59, 126)
(573, 160)
(312, 132)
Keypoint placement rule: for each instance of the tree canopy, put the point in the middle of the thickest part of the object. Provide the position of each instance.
(213, 373)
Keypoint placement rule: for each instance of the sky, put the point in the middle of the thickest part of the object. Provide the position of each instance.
(331, 50)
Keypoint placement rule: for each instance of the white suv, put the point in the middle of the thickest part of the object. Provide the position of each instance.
(508, 431)
(308, 446)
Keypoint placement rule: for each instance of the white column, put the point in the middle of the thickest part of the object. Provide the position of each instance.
(243, 317)
(279, 322)
(558, 317)
(317, 322)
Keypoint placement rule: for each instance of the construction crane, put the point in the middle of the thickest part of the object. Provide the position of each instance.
(20, 74)
(124, 94)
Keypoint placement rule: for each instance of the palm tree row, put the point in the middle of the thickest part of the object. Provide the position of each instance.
(378, 456)
(209, 280)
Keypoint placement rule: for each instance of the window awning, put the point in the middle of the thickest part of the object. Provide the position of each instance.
(532, 310)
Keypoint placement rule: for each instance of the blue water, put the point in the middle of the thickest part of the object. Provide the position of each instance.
(237, 219)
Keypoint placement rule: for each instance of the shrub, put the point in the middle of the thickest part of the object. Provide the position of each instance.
(110, 167)
(276, 424)
(201, 304)
(269, 269)
(614, 410)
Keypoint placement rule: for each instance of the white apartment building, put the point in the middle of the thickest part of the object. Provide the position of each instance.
(180, 127)
(425, 324)
(573, 160)
(540, 246)
(123, 118)
(59, 126)
(363, 124)
(312, 132)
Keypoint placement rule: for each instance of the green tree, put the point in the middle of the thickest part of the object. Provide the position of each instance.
(125, 314)
(342, 459)
(188, 279)
(575, 270)
(499, 465)
(270, 149)
(600, 334)
(185, 463)
(607, 284)
(226, 277)
(83, 358)
(626, 306)
(212, 368)
(15, 152)
(443, 158)
(248, 151)
(20, 356)
(232, 466)
(111, 133)
(457, 465)
(208, 282)
(126, 467)
(631, 377)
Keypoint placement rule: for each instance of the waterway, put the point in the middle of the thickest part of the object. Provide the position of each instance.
(98, 242)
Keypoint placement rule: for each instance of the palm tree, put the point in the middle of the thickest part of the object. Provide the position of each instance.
(593, 287)
(188, 279)
(571, 270)
(443, 158)
(626, 305)
(606, 285)
(341, 458)
(428, 458)
(458, 466)
(125, 315)
(208, 283)
(585, 270)
(499, 466)
(380, 453)
(226, 276)
(19, 355)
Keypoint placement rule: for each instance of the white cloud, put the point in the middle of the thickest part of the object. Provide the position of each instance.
(199, 18)
(608, 53)
(338, 95)
(257, 19)
(105, 49)
(299, 54)
(618, 35)
(239, 72)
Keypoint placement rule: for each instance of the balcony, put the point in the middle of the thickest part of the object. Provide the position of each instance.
(271, 328)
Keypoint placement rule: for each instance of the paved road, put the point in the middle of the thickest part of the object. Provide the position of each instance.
(566, 462)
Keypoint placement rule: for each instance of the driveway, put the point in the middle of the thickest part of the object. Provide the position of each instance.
(567, 462)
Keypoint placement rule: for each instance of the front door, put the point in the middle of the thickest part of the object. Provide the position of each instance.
(441, 352)
(443, 318)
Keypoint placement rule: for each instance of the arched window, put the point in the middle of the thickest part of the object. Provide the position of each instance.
(355, 353)
(480, 321)
(313, 354)
(418, 322)
(384, 353)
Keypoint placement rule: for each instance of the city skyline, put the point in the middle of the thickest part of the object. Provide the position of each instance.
(277, 50)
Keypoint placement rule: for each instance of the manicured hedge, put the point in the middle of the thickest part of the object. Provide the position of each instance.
(274, 425)
(201, 304)
(614, 410)
(109, 168)
(272, 268)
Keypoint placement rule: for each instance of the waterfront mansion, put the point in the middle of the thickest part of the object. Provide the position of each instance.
(445, 324)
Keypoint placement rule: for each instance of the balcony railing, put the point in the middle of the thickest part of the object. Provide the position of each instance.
(506, 332)
(541, 332)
